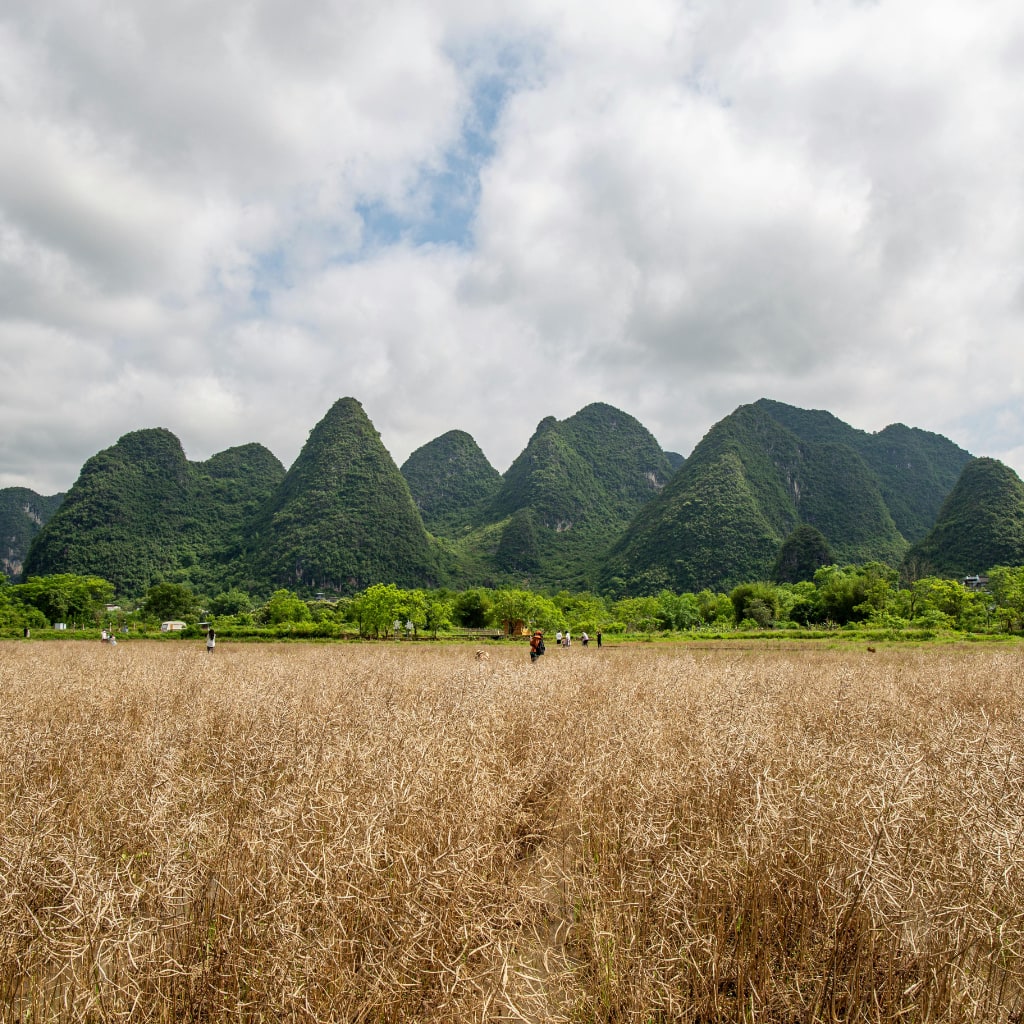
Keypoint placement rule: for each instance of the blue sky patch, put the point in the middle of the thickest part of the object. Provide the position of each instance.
(447, 197)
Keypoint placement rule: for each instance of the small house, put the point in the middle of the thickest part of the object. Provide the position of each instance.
(173, 626)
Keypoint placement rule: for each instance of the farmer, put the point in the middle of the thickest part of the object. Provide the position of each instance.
(536, 645)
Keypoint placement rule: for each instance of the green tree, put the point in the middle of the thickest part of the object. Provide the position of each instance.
(798, 602)
(853, 593)
(640, 614)
(413, 608)
(66, 597)
(473, 609)
(713, 607)
(231, 602)
(878, 587)
(948, 597)
(377, 607)
(513, 608)
(582, 612)
(438, 613)
(1006, 584)
(285, 606)
(756, 601)
(15, 615)
(166, 601)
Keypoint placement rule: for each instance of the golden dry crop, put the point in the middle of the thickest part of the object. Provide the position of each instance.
(404, 833)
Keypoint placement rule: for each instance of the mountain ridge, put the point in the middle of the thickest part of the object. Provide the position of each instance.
(591, 501)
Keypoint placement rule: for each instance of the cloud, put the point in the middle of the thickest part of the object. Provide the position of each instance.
(219, 218)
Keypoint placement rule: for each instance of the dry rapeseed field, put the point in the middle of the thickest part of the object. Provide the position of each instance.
(401, 833)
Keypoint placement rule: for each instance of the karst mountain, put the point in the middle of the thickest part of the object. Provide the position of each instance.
(592, 501)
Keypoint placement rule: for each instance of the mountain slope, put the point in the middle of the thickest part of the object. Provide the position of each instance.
(140, 512)
(342, 518)
(915, 470)
(450, 479)
(756, 475)
(22, 514)
(581, 480)
(980, 525)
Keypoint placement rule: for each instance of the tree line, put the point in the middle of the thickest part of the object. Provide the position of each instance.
(868, 595)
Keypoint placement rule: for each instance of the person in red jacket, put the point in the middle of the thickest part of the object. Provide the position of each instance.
(536, 645)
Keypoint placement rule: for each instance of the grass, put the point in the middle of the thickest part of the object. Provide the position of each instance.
(403, 833)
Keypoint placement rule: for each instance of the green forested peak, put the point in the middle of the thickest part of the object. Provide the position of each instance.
(600, 463)
(251, 458)
(140, 512)
(808, 424)
(749, 483)
(980, 525)
(155, 449)
(450, 478)
(343, 517)
(545, 425)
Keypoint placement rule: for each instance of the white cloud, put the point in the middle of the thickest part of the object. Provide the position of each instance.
(680, 208)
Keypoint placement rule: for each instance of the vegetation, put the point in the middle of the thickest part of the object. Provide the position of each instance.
(802, 554)
(764, 471)
(22, 514)
(575, 488)
(140, 513)
(518, 551)
(450, 480)
(174, 601)
(342, 518)
(65, 597)
(915, 470)
(864, 600)
(980, 524)
(592, 503)
(404, 834)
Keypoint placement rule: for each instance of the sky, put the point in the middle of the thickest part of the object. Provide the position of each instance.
(220, 216)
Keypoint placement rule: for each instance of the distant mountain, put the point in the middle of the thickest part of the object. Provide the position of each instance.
(915, 469)
(22, 514)
(770, 491)
(581, 480)
(980, 525)
(450, 480)
(763, 471)
(342, 518)
(141, 513)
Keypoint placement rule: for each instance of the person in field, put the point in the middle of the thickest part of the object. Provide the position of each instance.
(211, 640)
(536, 645)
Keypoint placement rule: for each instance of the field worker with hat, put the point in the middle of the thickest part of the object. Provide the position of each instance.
(536, 645)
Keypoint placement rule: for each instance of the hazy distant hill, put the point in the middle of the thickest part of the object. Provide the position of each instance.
(980, 525)
(342, 518)
(450, 480)
(22, 514)
(140, 512)
(766, 469)
(571, 491)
